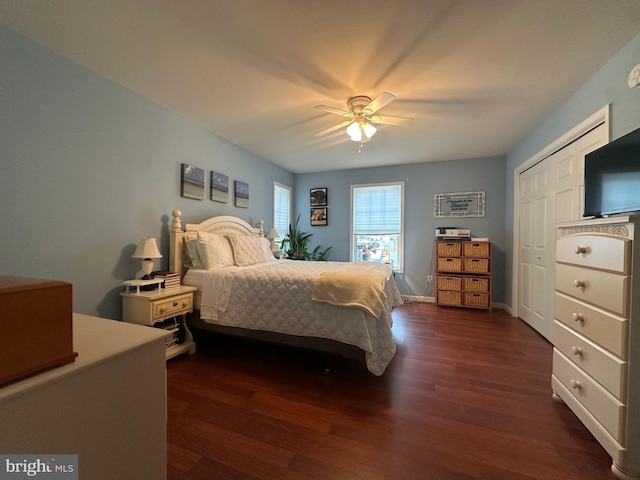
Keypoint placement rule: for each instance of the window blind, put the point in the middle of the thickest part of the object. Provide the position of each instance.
(281, 209)
(377, 209)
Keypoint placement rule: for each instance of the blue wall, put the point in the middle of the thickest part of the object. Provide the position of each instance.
(422, 182)
(607, 87)
(89, 168)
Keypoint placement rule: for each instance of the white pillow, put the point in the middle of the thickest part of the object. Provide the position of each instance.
(214, 250)
(250, 249)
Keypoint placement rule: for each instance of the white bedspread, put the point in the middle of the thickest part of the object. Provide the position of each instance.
(276, 297)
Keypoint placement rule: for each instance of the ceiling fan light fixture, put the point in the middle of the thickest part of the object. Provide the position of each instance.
(354, 131)
(369, 130)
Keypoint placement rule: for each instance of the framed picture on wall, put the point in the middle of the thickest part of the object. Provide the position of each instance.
(459, 204)
(318, 216)
(318, 197)
(241, 194)
(191, 182)
(219, 187)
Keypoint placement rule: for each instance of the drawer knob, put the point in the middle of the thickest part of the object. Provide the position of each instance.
(576, 385)
(577, 351)
(175, 304)
(577, 317)
(580, 250)
(579, 283)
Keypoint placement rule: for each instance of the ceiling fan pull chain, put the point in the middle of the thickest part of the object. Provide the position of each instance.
(360, 145)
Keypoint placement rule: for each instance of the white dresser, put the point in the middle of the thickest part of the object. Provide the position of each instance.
(596, 355)
(109, 407)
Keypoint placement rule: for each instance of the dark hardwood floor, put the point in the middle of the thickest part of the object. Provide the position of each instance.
(467, 396)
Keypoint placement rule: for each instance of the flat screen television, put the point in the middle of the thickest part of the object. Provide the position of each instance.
(612, 177)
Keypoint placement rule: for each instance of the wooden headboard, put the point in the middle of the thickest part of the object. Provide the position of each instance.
(222, 224)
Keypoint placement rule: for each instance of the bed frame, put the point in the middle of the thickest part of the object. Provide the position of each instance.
(225, 225)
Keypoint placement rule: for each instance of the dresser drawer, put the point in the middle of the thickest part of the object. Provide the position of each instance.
(476, 249)
(448, 283)
(164, 308)
(475, 265)
(606, 409)
(448, 249)
(607, 253)
(604, 328)
(449, 264)
(608, 370)
(472, 284)
(604, 289)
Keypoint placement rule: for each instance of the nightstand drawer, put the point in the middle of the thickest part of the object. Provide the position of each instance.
(169, 307)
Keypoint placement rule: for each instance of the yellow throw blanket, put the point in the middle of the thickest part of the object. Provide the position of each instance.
(357, 284)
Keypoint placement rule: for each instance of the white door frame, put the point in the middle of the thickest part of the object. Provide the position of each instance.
(601, 116)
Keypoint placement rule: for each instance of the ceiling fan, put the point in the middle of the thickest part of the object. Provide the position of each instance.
(361, 115)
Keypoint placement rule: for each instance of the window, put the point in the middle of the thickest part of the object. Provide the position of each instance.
(378, 223)
(281, 209)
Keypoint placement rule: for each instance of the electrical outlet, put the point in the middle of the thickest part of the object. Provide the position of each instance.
(430, 278)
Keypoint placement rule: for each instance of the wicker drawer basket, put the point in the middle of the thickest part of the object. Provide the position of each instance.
(446, 249)
(476, 265)
(449, 298)
(472, 284)
(449, 283)
(476, 249)
(450, 264)
(480, 300)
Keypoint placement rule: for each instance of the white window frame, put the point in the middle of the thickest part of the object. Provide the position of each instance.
(400, 266)
(276, 186)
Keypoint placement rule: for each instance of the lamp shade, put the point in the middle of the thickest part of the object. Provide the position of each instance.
(369, 130)
(353, 130)
(272, 233)
(147, 248)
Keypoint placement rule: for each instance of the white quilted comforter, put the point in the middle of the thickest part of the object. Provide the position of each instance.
(276, 296)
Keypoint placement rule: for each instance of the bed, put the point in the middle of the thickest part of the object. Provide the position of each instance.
(341, 308)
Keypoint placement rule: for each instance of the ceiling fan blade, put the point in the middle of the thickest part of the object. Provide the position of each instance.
(337, 111)
(385, 98)
(331, 129)
(397, 121)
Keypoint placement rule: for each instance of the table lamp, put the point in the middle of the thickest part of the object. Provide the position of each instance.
(272, 234)
(147, 249)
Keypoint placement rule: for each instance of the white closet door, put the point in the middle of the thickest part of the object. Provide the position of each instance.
(551, 192)
(537, 204)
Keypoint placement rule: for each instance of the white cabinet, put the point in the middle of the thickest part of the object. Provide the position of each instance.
(109, 407)
(596, 355)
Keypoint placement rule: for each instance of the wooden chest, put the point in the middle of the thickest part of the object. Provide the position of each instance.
(36, 324)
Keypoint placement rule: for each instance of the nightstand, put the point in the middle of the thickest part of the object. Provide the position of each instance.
(160, 305)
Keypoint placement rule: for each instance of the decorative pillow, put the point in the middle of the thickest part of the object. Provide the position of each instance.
(214, 250)
(190, 252)
(250, 249)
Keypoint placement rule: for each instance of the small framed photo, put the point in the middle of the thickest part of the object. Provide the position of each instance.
(192, 182)
(318, 216)
(241, 194)
(219, 187)
(318, 197)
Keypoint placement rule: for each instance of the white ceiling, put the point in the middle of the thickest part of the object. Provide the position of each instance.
(476, 75)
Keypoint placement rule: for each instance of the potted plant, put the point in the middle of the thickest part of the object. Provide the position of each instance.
(294, 245)
(367, 250)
